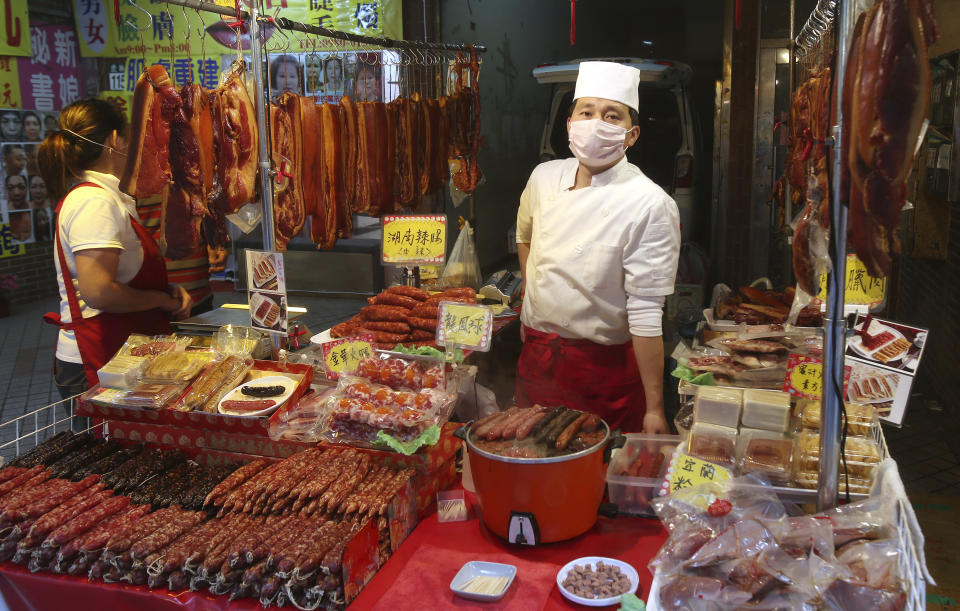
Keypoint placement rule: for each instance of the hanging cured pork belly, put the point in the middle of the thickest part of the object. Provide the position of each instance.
(888, 104)
(468, 117)
(323, 220)
(375, 154)
(147, 169)
(237, 142)
(349, 143)
(287, 152)
(406, 170)
(332, 173)
(425, 135)
(191, 164)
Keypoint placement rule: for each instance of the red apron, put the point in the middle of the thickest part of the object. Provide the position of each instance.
(99, 337)
(584, 375)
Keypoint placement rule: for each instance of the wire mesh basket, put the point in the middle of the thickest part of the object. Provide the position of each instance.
(22, 434)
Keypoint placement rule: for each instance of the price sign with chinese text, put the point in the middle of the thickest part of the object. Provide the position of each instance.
(414, 239)
(860, 288)
(687, 472)
(14, 28)
(465, 325)
(804, 377)
(342, 356)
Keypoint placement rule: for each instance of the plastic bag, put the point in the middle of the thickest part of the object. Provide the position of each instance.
(463, 266)
(220, 378)
(305, 420)
(413, 373)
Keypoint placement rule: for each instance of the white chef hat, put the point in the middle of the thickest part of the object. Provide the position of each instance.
(610, 81)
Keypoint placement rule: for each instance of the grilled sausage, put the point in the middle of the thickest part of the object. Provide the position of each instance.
(567, 434)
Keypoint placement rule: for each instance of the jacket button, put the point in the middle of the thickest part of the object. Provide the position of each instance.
(566, 323)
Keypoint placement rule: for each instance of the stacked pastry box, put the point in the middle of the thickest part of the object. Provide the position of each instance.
(164, 382)
(757, 431)
(394, 405)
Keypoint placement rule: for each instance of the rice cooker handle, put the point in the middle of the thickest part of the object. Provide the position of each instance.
(461, 433)
(616, 441)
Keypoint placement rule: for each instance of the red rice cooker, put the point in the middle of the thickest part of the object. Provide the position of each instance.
(540, 500)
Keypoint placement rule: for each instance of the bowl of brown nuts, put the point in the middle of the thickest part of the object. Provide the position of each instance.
(595, 581)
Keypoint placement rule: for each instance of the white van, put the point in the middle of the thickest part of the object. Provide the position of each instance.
(666, 150)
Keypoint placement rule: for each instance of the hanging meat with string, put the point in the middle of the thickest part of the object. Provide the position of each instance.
(287, 151)
(332, 178)
(888, 106)
(147, 168)
(237, 143)
(191, 163)
(469, 118)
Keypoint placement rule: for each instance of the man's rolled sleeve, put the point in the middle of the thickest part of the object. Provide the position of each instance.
(652, 252)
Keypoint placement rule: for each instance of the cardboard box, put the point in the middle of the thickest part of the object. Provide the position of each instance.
(259, 445)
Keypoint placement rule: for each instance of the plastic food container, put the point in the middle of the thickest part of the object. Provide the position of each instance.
(860, 418)
(151, 396)
(636, 471)
(716, 444)
(177, 366)
(122, 371)
(720, 406)
(766, 409)
(766, 453)
(477, 568)
(862, 455)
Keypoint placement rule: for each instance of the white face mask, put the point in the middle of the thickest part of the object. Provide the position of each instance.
(597, 143)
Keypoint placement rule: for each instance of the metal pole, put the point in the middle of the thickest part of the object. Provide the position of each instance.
(209, 7)
(374, 41)
(834, 324)
(262, 101)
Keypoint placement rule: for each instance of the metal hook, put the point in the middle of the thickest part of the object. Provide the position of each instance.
(145, 12)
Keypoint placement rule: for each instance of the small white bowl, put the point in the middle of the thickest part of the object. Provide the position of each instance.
(477, 568)
(625, 568)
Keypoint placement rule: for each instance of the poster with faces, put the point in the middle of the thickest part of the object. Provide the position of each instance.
(327, 77)
(25, 205)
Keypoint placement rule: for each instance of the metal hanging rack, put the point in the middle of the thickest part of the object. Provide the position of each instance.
(817, 25)
(253, 21)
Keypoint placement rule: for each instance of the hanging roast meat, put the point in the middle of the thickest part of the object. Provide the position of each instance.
(332, 176)
(888, 104)
(147, 169)
(191, 163)
(406, 178)
(349, 142)
(287, 151)
(237, 142)
(375, 155)
(309, 169)
(468, 116)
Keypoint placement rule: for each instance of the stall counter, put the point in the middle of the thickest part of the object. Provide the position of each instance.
(417, 577)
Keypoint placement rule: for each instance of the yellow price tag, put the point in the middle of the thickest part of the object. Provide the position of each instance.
(465, 325)
(9, 246)
(685, 472)
(860, 288)
(804, 377)
(414, 239)
(343, 355)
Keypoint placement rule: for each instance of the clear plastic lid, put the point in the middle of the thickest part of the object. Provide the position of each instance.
(862, 455)
(141, 345)
(766, 452)
(122, 371)
(811, 480)
(860, 418)
(228, 372)
(766, 409)
(151, 396)
(720, 406)
(177, 366)
(716, 444)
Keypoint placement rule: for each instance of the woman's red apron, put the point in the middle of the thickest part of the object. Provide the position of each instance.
(99, 337)
(584, 375)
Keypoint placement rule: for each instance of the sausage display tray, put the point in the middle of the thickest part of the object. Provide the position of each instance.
(205, 420)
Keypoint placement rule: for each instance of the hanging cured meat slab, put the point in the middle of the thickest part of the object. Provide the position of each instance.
(287, 151)
(147, 170)
(237, 142)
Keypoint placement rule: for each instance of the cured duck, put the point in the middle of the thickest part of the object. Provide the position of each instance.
(147, 168)
(890, 75)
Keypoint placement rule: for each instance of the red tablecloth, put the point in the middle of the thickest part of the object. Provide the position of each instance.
(417, 577)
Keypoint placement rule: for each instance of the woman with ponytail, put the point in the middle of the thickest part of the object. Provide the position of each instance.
(113, 281)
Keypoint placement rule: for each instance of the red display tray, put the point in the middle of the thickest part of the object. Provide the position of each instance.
(203, 420)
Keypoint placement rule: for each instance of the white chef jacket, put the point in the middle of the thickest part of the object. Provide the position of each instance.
(94, 217)
(596, 251)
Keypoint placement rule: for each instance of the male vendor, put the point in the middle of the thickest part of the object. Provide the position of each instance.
(598, 243)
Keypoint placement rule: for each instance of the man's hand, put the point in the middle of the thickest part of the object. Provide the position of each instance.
(181, 295)
(655, 423)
